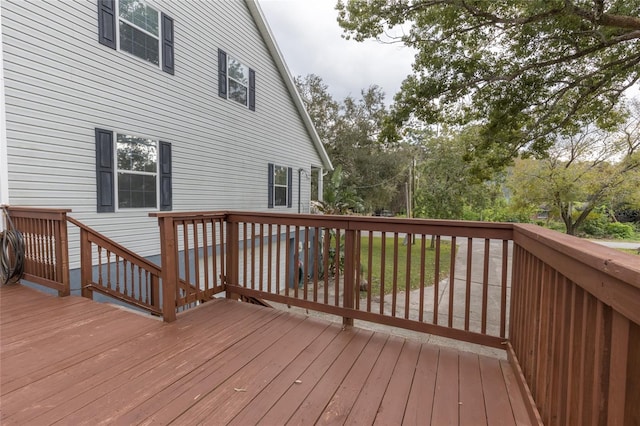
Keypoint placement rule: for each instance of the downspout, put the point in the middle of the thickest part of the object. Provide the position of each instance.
(299, 188)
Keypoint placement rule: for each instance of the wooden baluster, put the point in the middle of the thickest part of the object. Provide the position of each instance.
(383, 261)
(124, 265)
(369, 270)
(503, 288)
(349, 273)
(326, 242)
(305, 262)
(216, 245)
(436, 280)
(296, 261)
(452, 279)
(467, 296)
(287, 261)
(407, 291)
(316, 257)
(423, 249)
(394, 291)
(336, 260)
(278, 257)
(485, 285)
(269, 257)
(233, 257)
(245, 253)
(357, 269)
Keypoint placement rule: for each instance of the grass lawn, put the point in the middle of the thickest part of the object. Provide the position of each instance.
(429, 268)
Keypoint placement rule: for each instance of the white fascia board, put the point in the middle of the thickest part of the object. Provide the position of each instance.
(261, 22)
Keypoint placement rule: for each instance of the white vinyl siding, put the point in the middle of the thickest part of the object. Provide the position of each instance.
(61, 84)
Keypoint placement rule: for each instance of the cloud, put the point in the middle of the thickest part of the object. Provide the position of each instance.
(310, 40)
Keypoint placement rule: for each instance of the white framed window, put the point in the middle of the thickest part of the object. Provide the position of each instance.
(132, 172)
(238, 81)
(136, 172)
(139, 30)
(136, 27)
(280, 186)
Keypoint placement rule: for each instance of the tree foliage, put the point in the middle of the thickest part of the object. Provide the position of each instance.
(528, 70)
(338, 198)
(350, 130)
(581, 173)
(446, 184)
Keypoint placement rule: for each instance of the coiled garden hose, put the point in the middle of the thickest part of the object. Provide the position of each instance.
(11, 253)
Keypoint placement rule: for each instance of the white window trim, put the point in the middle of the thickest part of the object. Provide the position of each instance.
(159, 36)
(116, 170)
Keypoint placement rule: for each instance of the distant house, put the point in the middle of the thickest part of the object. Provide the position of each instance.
(115, 109)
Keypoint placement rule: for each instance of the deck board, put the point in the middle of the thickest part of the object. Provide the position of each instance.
(74, 361)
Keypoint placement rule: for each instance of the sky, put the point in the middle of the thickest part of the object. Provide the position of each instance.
(309, 38)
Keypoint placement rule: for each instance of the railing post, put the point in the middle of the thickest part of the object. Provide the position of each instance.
(349, 273)
(170, 276)
(86, 268)
(62, 256)
(232, 257)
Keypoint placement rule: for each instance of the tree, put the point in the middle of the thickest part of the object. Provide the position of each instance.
(530, 71)
(582, 173)
(338, 198)
(322, 109)
(446, 183)
(349, 130)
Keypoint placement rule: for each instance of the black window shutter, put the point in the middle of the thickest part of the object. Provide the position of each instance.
(107, 23)
(289, 187)
(270, 184)
(166, 198)
(222, 74)
(104, 171)
(167, 44)
(252, 90)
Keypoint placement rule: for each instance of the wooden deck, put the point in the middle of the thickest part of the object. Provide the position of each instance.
(74, 361)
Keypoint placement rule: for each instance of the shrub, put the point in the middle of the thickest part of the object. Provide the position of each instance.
(619, 230)
(596, 225)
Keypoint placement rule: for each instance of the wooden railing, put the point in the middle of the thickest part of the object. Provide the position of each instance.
(575, 328)
(46, 246)
(353, 267)
(109, 268)
(571, 308)
(193, 258)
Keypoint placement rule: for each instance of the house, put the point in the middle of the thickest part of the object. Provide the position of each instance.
(118, 108)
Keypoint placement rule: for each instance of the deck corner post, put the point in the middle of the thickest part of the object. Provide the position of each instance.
(349, 273)
(232, 257)
(169, 271)
(62, 253)
(86, 267)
